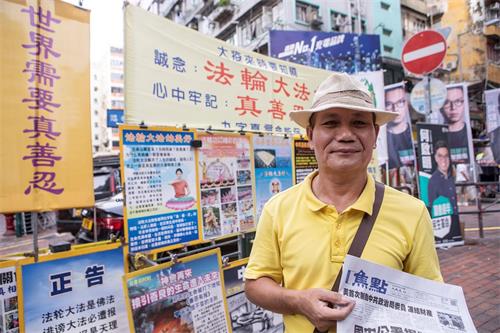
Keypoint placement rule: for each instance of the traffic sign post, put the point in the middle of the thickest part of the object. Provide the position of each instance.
(424, 52)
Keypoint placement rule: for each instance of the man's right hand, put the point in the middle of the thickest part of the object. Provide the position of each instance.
(313, 304)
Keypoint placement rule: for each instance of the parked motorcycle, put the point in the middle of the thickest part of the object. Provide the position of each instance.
(108, 217)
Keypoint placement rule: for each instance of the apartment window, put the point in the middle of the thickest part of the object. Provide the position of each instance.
(96, 112)
(339, 22)
(354, 25)
(385, 5)
(388, 48)
(116, 77)
(305, 12)
(386, 32)
(96, 125)
(116, 90)
(96, 137)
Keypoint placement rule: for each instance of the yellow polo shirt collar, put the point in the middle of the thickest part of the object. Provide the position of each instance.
(364, 202)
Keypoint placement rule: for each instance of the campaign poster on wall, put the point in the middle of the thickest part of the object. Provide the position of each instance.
(225, 173)
(304, 160)
(245, 316)
(333, 51)
(78, 291)
(159, 172)
(492, 98)
(183, 297)
(437, 186)
(273, 167)
(9, 316)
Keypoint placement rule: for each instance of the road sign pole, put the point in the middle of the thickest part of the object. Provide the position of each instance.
(429, 98)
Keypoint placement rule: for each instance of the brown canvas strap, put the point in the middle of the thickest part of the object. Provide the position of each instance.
(361, 237)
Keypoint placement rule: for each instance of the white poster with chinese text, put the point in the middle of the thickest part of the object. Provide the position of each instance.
(9, 317)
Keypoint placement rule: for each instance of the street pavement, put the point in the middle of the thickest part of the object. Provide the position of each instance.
(475, 266)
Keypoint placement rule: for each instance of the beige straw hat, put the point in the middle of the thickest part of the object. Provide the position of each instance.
(341, 90)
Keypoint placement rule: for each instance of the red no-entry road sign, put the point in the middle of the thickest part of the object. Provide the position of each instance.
(424, 52)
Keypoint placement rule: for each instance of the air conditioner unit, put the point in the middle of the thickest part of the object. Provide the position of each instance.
(451, 65)
(316, 22)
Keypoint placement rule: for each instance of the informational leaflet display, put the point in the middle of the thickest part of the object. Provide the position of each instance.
(159, 168)
(388, 300)
(492, 98)
(183, 297)
(245, 316)
(78, 291)
(273, 167)
(225, 173)
(9, 317)
(303, 158)
(437, 186)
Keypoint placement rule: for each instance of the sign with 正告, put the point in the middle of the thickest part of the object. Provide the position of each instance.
(159, 172)
(273, 167)
(177, 76)
(44, 106)
(74, 292)
(186, 296)
(245, 316)
(226, 182)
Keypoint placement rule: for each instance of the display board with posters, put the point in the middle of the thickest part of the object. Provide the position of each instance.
(9, 316)
(304, 160)
(45, 137)
(226, 182)
(492, 98)
(245, 316)
(175, 76)
(273, 167)
(437, 187)
(77, 291)
(183, 297)
(159, 173)
(333, 51)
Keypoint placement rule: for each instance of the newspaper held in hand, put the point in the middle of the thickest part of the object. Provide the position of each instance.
(388, 300)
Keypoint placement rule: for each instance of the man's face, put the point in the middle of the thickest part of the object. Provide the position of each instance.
(395, 101)
(343, 139)
(453, 108)
(442, 158)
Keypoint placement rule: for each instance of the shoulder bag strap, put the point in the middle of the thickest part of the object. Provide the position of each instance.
(364, 230)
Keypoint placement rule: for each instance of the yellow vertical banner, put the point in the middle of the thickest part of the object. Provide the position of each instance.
(45, 144)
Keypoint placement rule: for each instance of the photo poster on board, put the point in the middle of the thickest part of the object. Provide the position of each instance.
(273, 167)
(75, 291)
(437, 186)
(186, 296)
(245, 316)
(9, 316)
(160, 181)
(226, 184)
(304, 160)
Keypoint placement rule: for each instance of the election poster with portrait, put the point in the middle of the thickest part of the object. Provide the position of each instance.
(304, 160)
(186, 296)
(9, 316)
(159, 173)
(245, 316)
(77, 291)
(492, 98)
(437, 187)
(400, 142)
(273, 167)
(226, 183)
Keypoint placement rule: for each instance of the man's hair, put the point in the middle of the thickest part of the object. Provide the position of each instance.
(311, 119)
(441, 144)
(402, 87)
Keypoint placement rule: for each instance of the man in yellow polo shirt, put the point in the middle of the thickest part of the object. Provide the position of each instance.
(305, 232)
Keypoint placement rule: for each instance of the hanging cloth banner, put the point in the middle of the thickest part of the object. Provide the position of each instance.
(175, 76)
(45, 137)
